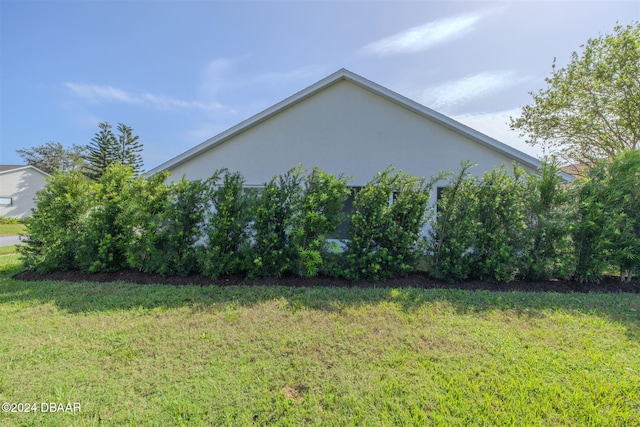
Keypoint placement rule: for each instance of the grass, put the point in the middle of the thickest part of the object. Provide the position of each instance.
(10, 229)
(6, 250)
(161, 355)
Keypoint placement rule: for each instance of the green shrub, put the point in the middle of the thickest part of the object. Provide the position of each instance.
(316, 215)
(53, 231)
(500, 207)
(606, 229)
(451, 236)
(292, 217)
(167, 243)
(624, 195)
(386, 226)
(591, 218)
(272, 214)
(480, 229)
(108, 230)
(227, 220)
(548, 251)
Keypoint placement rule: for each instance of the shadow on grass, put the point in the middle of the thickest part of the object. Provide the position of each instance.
(83, 297)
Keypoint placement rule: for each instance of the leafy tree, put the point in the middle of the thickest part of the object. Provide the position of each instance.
(590, 108)
(53, 156)
(106, 149)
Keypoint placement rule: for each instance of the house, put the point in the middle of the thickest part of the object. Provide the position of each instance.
(18, 188)
(345, 124)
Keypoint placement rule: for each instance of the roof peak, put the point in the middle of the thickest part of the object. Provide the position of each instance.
(388, 94)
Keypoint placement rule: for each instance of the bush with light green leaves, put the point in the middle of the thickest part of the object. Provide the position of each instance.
(386, 226)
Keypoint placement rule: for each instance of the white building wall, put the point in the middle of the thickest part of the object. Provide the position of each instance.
(342, 129)
(20, 186)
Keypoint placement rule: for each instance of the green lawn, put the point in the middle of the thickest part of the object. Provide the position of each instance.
(160, 355)
(6, 250)
(8, 229)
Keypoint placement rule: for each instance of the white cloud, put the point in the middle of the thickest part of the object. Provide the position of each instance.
(451, 94)
(423, 37)
(214, 76)
(95, 93)
(98, 93)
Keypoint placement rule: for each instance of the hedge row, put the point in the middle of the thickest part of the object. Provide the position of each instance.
(217, 227)
(505, 225)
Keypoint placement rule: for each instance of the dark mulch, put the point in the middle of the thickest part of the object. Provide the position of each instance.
(416, 280)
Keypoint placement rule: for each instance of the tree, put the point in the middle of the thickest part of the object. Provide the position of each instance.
(106, 149)
(590, 110)
(102, 151)
(53, 156)
(129, 149)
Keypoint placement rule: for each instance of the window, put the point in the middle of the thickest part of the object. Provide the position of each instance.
(341, 232)
(439, 193)
(6, 201)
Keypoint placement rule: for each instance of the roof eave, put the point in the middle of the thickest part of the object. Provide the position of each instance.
(19, 168)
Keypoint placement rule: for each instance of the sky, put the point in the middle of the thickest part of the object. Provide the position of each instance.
(180, 72)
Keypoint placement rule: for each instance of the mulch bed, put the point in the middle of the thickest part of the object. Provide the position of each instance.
(416, 280)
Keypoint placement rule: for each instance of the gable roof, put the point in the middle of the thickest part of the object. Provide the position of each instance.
(14, 168)
(346, 75)
(4, 168)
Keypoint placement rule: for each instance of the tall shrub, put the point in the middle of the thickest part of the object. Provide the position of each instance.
(109, 227)
(623, 190)
(167, 241)
(548, 249)
(589, 223)
(480, 229)
(53, 231)
(316, 215)
(272, 214)
(385, 228)
(227, 221)
(606, 230)
(452, 234)
(500, 207)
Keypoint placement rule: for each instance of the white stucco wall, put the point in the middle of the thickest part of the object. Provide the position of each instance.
(342, 129)
(21, 185)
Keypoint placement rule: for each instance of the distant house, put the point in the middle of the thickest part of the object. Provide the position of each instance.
(345, 124)
(18, 188)
(577, 170)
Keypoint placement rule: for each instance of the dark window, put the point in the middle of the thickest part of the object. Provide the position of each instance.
(347, 210)
(439, 193)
